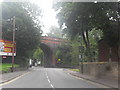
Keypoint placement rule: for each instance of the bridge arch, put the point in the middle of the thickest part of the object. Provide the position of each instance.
(48, 55)
(49, 46)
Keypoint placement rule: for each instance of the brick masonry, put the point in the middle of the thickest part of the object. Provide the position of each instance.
(104, 51)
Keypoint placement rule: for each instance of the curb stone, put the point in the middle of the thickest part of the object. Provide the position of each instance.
(10, 79)
(13, 78)
(90, 80)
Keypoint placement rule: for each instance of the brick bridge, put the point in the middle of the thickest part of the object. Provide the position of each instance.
(49, 46)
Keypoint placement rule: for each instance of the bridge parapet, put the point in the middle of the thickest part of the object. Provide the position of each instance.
(52, 40)
(52, 44)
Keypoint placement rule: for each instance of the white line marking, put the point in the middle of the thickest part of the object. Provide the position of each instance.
(49, 81)
(51, 85)
(47, 76)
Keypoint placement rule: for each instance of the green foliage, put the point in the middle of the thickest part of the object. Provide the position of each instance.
(77, 70)
(89, 21)
(58, 54)
(38, 54)
(69, 52)
(7, 66)
(75, 51)
(27, 34)
(55, 32)
(94, 37)
(79, 17)
(63, 53)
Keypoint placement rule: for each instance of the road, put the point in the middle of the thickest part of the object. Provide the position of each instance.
(50, 78)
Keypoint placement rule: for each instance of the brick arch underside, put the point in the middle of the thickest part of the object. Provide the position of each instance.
(48, 55)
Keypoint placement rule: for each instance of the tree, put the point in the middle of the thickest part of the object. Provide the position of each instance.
(38, 54)
(55, 32)
(76, 21)
(94, 37)
(27, 28)
(63, 53)
(80, 18)
(74, 51)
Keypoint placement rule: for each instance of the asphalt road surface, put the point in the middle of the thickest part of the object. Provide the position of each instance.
(50, 78)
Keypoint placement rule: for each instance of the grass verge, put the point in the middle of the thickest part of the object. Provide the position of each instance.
(6, 66)
(77, 70)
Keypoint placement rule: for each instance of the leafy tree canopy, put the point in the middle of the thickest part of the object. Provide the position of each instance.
(38, 54)
(80, 17)
(55, 32)
(28, 27)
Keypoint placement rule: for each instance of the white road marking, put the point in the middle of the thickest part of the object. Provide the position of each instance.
(47, 76)
(49, 80)
(51, 85)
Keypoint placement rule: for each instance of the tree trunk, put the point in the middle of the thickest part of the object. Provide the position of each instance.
(86, 40)
(88, 46)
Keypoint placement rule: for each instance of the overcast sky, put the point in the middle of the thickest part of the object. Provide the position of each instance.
(49, 15)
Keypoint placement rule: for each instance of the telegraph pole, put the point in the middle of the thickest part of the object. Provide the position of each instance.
(13, 44)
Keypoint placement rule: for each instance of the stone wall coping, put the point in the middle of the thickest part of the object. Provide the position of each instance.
(98, 62)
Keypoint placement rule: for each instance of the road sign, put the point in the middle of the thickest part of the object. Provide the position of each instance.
(59, 60)
(6, 48)
(4, 57)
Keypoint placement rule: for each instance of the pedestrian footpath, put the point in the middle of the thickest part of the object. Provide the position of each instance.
(9, 76)
(105, 80)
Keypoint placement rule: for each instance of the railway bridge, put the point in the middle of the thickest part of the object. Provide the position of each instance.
(49, 46)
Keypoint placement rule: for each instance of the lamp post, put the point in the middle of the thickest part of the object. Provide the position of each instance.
(13, 43)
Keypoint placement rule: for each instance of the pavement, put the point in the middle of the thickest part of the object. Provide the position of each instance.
(105, 80)
(9, 76)
(39, 77)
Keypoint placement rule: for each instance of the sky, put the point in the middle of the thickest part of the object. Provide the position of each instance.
(49, 15)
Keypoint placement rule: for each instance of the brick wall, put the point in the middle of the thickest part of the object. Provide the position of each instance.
(104, 50)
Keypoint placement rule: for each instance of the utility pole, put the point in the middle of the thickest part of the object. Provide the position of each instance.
(13, 44)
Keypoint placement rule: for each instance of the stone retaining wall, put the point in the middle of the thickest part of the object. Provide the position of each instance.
(98, 69)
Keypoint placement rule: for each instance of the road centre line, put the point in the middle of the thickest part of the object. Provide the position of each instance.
(47, 77)
(51, 85)
(49, 80)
